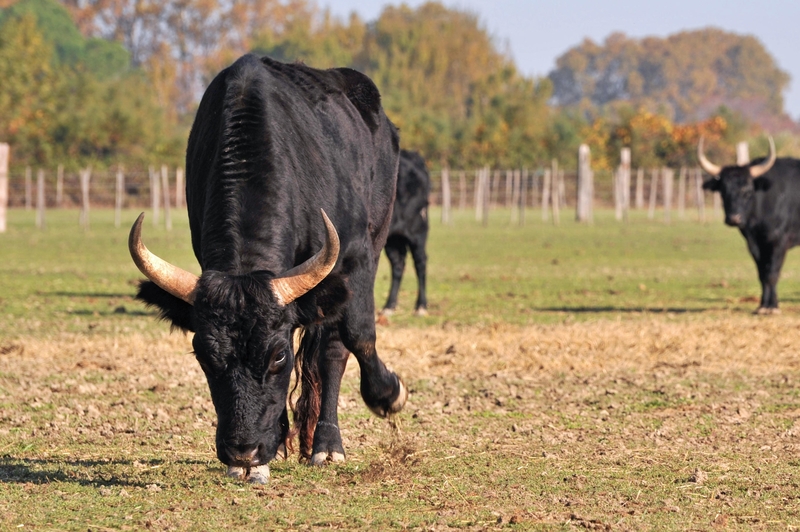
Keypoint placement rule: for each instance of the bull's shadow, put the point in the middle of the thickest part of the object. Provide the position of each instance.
(41, 471)
(610, 309)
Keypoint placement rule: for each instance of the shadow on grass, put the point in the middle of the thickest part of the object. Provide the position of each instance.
(610, 309)
(86, 294)
(106, 313)
(41, 471)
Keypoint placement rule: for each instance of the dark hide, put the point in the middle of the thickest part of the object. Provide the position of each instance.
(271, 144)
(409, 227)
(767, 212)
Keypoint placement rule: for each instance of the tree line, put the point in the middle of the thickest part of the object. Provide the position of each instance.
(101, 82)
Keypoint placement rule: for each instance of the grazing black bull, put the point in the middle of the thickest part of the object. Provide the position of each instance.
(762, 199)
(409, 228)
(271, 145)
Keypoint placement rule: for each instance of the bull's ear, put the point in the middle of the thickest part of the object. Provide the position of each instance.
(170, 308)
(762, 184)
(712, 185)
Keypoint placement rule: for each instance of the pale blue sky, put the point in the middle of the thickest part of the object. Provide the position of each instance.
(539, 31)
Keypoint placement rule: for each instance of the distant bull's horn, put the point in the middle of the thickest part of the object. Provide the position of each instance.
(707, 165)
(300, 279)
(761, 169)
(169, 277)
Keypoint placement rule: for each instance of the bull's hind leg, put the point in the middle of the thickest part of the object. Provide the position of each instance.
(382, 390)
(396, 253)
(420, 265)
(327, 446)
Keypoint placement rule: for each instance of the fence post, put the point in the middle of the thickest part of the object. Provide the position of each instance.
(487, 195)
(165, 187)
(523, 193)
(682, 193)
(716, 206)
(85, 177)
(699, 196)
(742, 153)
(446, 195)
(155, 195)
(583, 208)
(478, 195)
(548, 176)
(516, 176)
(60, 186)
(462, 190)
(180, 190)
(640, 188)
(40, 199)
(668, 177)
(651, 212)
(625, 183)
(4, 155)
(555, 192)
(534, 189)
(28, 189)
(119, 196)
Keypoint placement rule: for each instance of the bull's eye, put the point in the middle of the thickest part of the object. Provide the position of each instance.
(278, 362)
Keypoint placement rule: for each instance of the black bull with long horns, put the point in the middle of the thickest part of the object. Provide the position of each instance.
(762, 199)
(273, 144)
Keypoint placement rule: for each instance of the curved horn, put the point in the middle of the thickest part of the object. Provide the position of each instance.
(761, 169)
(300, 279)
(707, 165)
(169, 277)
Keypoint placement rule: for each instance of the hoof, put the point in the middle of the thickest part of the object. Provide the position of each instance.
(421, 311)
(767, 311)
(322, 458)
(397, 405)
(239, 473)
(259, 475)
(386, 312)
(281, 453)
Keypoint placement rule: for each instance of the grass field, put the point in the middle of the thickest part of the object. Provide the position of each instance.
(576, 377)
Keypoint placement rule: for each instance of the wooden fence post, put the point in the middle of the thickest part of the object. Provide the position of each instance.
(742, 154)
(534, 189)
(85, 177)
(60, 186)
(180, 189)
(717, 207)
(487, 194)
(40, 199)
(119, 197)
(651, 212)
(516, 177)
(682, 193)
(668, 178)
(462, 190)
(165, 188)
(478, 195)
(155, 195)
(583, 207)
(548, 176)
(699, 195)
(446, 195)
(622, 185)
(523, 193)
(4, 156)
(28, 189)
(509, 187)
(639, 189)
(555, 192)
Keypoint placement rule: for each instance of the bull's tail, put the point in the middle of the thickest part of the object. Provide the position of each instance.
(306, 409)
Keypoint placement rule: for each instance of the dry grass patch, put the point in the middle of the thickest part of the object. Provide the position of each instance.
(653, 423)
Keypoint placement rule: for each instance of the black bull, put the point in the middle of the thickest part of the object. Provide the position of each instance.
(762, 199)
(409, 228)
(271, 145)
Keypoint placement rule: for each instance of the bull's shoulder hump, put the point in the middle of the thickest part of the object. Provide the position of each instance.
(362, 93)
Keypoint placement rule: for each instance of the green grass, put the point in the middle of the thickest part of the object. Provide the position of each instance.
(65, 279)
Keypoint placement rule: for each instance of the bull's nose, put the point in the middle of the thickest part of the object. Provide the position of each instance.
(736, 219)
(243, 455)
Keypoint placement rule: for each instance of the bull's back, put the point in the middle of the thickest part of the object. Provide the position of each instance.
(273, 143)
(413, 189)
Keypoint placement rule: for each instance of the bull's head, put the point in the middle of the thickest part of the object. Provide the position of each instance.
(736, 184)
(243, 326)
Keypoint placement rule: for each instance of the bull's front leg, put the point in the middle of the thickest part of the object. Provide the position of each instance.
(327, 446)
(769, 271)
(382, 390)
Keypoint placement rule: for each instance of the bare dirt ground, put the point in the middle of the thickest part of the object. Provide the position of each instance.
(657, 422)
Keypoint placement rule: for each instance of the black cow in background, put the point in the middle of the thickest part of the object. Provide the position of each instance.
(409, 228)
(271, 146)
(762, 199)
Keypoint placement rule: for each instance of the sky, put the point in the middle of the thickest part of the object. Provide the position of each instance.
(537, 32)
